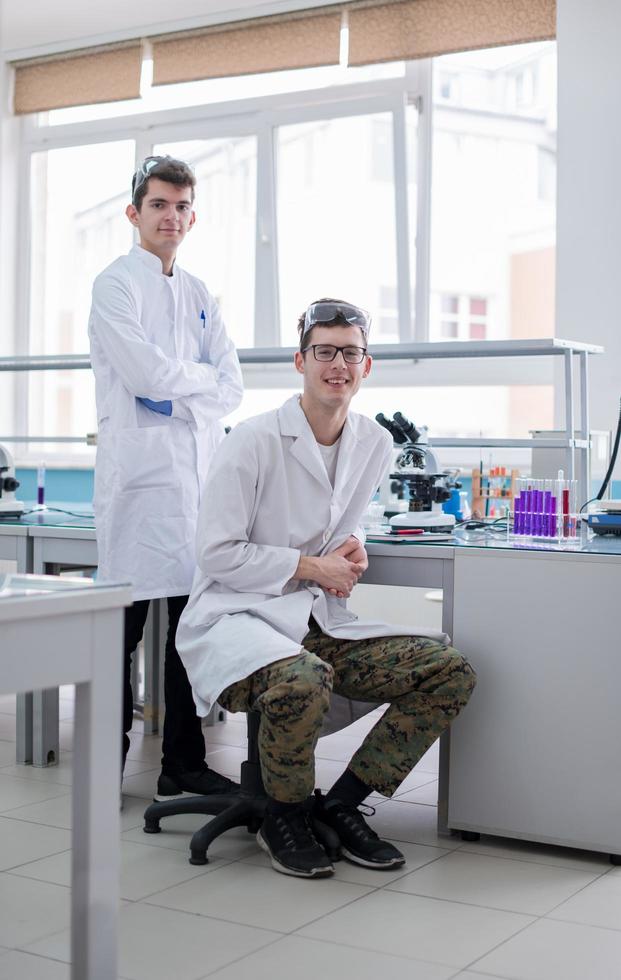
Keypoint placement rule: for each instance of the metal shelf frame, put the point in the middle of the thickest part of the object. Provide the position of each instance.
(576, 441)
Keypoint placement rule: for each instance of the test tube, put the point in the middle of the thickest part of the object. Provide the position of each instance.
(573, 504)
(552, 512)
(518, 507)
(547, 504)
(537, 508)
(41, 484)
(528, 508)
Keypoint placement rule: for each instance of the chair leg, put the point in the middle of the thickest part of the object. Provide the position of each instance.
(246, 812)
(185, 804)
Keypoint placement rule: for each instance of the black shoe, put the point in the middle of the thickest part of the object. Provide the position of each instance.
(203, 782)
(359, 844)
(292, 845)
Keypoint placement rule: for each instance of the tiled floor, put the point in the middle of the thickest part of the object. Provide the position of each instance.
(491, 909)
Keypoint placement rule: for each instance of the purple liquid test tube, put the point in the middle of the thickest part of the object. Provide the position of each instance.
(552, 516)
(547, 510)
(528, 511)
(537, 505)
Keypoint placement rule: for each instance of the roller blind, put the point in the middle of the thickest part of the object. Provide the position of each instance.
(80, 78)
(405, 29)
(248, 47)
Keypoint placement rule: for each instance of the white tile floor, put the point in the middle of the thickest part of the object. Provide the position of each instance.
(490, 909)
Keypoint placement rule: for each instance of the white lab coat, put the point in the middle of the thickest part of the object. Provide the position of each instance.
(148, 340)
(268, 501)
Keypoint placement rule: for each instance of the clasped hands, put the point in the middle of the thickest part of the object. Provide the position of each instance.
(339, 570)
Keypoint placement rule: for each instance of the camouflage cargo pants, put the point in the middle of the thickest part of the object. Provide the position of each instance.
(425, 683)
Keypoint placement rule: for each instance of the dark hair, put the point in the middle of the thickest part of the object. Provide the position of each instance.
(168, 169)
(338, 321)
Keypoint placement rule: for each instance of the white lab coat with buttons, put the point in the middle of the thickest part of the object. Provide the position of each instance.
(149, 340)
(268, 501)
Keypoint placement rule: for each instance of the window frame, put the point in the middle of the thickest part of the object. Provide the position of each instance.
(260, 117)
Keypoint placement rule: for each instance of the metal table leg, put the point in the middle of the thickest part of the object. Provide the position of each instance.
(23, 708)
(448, 577)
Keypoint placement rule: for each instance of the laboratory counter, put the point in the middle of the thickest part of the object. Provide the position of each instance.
(535, 754)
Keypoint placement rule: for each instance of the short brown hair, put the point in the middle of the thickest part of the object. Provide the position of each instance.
(339, 320)
(166, 168)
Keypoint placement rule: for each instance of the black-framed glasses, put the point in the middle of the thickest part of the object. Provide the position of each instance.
(327, 352)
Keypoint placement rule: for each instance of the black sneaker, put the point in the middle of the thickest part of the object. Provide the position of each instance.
(203, 782)
(359, 844)
(292, 845)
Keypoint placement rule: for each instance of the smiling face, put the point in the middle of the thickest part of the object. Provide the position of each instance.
(332, 384)
(164, 218)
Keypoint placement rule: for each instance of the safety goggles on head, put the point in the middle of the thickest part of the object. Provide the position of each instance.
(144, 172)
(325, 313)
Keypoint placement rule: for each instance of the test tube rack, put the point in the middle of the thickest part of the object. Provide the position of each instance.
(545, 509)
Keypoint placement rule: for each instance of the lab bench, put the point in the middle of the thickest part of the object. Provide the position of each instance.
(48, 542)
(535, 754)
(56, 631)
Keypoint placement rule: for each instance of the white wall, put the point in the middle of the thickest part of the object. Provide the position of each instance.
(588, 303)
(30, 25)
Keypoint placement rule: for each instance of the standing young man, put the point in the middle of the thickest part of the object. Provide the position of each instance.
(267, 627)
(166, 373)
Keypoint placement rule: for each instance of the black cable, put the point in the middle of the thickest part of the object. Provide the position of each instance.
(613, 460)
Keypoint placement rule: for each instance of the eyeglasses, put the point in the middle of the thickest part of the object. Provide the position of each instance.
(327, 312)
(327, 352)
(144, 172)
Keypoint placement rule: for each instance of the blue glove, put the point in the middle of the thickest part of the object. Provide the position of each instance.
(164, 408)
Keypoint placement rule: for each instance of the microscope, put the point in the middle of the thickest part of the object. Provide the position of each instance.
(9, 506)
(417, 468)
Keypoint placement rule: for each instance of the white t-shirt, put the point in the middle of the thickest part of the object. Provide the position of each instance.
(330, 455)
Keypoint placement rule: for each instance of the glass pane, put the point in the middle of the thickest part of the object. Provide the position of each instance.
(220, 248)
(450, 304)
(78, 200)
(493, 212)
(336, 216)
(478, 306)
(493, 201)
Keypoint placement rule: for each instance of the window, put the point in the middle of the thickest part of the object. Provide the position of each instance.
(449, 324)
(477, 318)
(493, 196)
(311, 183)
(457, 317)
(336, 214)
(220, 248)
(78, 227)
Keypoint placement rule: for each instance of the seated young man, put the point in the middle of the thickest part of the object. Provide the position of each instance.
(267, 627)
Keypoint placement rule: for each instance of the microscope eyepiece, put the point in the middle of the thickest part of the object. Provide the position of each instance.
(406, 426)
(397, 434)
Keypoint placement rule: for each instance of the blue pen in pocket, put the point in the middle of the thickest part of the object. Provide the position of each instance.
(203, 318)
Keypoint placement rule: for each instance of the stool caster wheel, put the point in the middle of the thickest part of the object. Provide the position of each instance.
(198, 857)
(152, 827)
(615, 858)
(470, 835)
